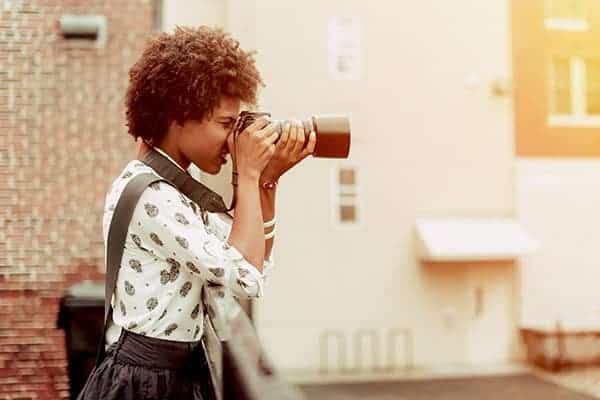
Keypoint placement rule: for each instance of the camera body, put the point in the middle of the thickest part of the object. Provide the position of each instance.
(333, 132)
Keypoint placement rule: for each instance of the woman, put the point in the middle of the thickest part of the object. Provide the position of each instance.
(184, 95)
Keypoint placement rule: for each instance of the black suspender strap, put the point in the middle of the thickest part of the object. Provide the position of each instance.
(117, 234)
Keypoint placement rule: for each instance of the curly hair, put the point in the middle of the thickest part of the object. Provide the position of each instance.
(183, 75)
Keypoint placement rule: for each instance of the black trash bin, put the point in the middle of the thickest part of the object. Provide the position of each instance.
(241, 366)
(81, 315)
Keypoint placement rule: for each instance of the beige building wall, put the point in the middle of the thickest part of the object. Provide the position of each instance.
(193, 13)
(429, 139)
(558, 203)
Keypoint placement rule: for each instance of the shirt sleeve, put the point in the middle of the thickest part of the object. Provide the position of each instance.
(221, 224)
(164, 223)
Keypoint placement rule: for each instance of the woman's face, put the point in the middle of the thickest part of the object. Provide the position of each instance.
(205, 142)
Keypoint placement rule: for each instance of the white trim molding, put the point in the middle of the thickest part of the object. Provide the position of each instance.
(571, 17)
(568, 25)
(591, 121)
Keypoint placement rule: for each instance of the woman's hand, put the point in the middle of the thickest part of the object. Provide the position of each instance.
(289, 151)
(255, 148)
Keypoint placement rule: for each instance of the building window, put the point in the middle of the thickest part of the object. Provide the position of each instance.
(592, 79)
(346, 196)
(574, 86)
(565, 15)
(560, 84)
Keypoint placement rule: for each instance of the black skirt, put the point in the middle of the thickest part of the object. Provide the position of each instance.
(140, 367)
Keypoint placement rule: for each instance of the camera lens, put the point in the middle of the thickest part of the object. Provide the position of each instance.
(333, 132)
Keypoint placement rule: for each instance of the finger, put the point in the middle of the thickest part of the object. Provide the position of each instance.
(271, 133)
(258, 124)
(269, 152)
(262, 133)
(299, 142)
(310, 147)
(271, 137)
(285, 136)
(268, 131)
(293, 136)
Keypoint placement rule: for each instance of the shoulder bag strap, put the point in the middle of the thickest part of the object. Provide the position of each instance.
(117, 235)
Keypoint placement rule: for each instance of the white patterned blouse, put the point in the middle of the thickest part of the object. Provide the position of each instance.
(169, 254)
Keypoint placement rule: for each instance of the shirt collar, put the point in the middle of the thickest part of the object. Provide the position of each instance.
(170, 159)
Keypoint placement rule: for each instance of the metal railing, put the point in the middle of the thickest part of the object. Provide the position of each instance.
(239, 367)
(366, 341)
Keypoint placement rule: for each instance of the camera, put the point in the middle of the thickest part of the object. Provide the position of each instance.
(333, 131)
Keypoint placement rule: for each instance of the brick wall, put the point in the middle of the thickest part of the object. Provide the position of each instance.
(62, 139)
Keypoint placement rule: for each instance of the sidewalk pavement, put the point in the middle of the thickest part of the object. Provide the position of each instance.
(511, 387)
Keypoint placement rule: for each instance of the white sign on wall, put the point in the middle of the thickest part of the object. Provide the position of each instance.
(344, 48)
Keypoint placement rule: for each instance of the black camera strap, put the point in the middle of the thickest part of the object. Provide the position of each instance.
(207, 199)
(234, 170)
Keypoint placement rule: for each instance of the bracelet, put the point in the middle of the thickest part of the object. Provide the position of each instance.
(268, 185)
(270, 234)
(270, 223)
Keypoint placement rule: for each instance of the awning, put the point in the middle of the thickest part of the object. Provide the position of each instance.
(455, 239)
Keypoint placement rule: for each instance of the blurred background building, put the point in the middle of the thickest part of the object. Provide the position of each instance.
(556, 103)
(431, 141)
(466, 211)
